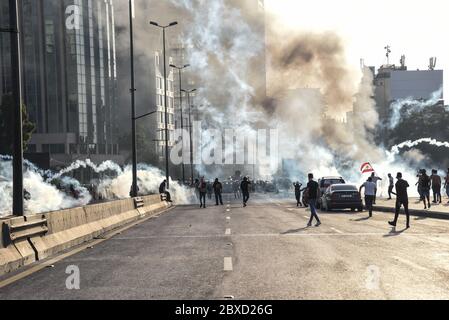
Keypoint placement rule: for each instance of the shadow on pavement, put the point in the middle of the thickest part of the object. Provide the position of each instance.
(395, 233)
(294, 231)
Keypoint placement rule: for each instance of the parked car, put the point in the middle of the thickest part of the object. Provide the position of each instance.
(341, 196)
(325, 183)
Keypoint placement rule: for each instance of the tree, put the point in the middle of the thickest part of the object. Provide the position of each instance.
(7, 125)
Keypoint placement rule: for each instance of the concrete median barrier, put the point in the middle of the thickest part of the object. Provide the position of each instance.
(45, 235)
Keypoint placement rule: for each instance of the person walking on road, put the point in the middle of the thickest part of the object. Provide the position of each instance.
(298, 192)
(218, 190)
(436, 186)
(313, 191)
(401, 200)
(244, 186)
(202, 188)
(446, 184)
(424, 183)
(370, 191)
(375, 181)
(390, 186)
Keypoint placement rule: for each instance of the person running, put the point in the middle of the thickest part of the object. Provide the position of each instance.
(163, 190)
(446, 184)
(313, 191)
(244, 186)
(202, 189)
(218, 190)
(370, 191)
(436, 186)
(401, 200)
(375, 180)
(390, 186)
(298, 192)
(425, 188)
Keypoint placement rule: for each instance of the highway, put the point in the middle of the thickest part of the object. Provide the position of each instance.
(263, 251)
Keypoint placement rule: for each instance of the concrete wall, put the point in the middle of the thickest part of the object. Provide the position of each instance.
(72, 227)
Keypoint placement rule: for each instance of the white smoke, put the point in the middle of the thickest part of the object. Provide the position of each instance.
(410, 144)
(410, 106)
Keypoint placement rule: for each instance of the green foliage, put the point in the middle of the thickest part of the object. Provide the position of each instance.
(7, 125)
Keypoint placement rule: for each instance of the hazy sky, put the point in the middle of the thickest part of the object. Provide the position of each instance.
(415, 28)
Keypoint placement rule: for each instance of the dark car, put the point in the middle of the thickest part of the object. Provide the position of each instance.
(325, 183)
(341, 196)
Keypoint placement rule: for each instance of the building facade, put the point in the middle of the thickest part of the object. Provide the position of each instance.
(69, 78)
(394, 83)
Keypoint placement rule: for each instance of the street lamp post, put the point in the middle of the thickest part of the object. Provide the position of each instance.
(134, 188)
(182, 116)
(16, 84)
(167, 169)
(190, 129)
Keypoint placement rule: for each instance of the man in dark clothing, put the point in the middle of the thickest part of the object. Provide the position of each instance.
(218, 189)
(390, 186)
(298, 192)
(424, 183)
(401, 200)
(244, 186)
(436, 186)
(163, 190)
(202, 188)
(313, 190)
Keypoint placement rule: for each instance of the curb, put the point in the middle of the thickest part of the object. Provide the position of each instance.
(417, 212)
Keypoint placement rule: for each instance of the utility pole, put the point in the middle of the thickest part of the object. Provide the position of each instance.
(16, 83)
(190, 129)
(167, 167)
(134, 187)
(182, 116)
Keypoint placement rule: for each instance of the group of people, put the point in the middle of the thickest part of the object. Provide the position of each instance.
(433, 182)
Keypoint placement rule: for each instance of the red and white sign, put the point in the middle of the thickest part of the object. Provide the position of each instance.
(367, 168)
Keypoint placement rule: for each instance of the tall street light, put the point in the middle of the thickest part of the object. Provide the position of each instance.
(182, 116)
(16, 85)
(167, 170)
(189, 92)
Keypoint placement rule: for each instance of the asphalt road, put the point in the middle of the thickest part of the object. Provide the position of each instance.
(263, 251)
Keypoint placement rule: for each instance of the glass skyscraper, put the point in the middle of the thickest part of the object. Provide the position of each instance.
(69, 77)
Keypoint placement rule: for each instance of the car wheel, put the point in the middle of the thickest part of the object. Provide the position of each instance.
(360, 209)
(352, 209)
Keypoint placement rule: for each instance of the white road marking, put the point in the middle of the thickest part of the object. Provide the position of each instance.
(337, 231)
(228, 264)
(228, 218)
(228, 210)
(410, 264)
(228, 232)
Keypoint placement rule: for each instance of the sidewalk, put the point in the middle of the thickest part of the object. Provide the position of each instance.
(437, 211)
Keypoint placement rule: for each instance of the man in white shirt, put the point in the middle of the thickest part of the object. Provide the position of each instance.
(375, 179)
(370, 193)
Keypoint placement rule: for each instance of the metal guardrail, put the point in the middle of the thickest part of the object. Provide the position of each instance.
(35, 226)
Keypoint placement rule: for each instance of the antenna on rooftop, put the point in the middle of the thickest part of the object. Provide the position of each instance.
(388, 48)
(433, 63)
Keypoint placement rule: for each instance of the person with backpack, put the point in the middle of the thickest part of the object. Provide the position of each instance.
(424, 184)
(218, 189)
(202, 189)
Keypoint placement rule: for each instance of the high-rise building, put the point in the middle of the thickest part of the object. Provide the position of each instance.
(393, 83)
(69, 77)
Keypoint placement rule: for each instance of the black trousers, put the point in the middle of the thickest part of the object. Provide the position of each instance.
(218, 198)
(399, 204)
(369, 200)
(203, 198)
(298, 198)
(245, 197)
(390, 191)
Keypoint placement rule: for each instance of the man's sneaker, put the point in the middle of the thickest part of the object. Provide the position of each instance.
(309, 224)
(391, 223)
(318, 224)
(408, 227)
